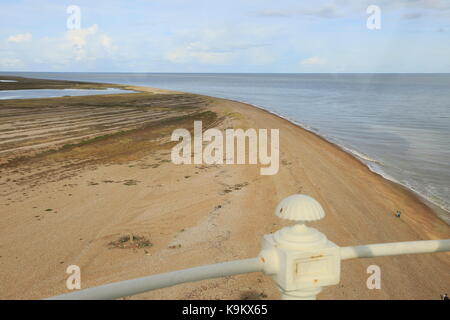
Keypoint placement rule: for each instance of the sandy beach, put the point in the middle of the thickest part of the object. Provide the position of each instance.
(68, 197)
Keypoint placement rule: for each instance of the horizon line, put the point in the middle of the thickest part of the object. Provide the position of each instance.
(159, 72)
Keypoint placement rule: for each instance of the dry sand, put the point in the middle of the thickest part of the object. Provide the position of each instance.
(197, 214)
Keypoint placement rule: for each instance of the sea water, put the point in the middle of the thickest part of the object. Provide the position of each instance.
(52, 93)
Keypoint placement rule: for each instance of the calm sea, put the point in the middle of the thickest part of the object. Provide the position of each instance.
(51, 93)
(398, 124)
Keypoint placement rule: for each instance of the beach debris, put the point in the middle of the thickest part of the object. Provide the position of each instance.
(131, 241)
(237, 186)
(253, 295)
(130, 182)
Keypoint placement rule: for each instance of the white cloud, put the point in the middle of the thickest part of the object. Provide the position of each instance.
(10, 63)
(198, 53)
(344, 8)
(274, 13)
(88, 43)
(106, 41)
(78, 48)
(20, 37)
(221, 45)
(78, 37)
(329, 10)
(313, 61)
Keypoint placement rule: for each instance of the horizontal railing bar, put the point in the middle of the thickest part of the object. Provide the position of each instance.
(394, 248)
(135, 286)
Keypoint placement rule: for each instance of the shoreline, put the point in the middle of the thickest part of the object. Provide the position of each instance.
(440, 212)
(425, 201)
(59, 209)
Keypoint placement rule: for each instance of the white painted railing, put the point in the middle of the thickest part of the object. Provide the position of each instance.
(300, 259)
(394, 248)
(140, 285)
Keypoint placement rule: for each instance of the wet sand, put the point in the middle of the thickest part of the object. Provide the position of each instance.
(78, 204)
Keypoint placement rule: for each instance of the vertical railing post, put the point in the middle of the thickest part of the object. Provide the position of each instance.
(300, 259)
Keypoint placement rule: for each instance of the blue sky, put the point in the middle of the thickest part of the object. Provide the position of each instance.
(225, 36)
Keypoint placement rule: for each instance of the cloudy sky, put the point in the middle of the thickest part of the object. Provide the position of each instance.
(225, 36)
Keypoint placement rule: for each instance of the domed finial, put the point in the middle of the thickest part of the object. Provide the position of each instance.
(299, 207)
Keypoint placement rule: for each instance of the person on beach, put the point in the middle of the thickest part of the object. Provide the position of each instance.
(445, 297)
(398, 214)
